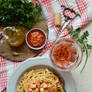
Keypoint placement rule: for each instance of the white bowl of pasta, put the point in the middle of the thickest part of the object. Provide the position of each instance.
(40, 78)
(39, 75)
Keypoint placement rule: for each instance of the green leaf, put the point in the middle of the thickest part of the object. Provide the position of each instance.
(0, 1)
(40, 19)
(75, 36)
(69, 28)
(27, 1)
(83, 48)
(86, 34)
(80, 41)
(23, 1)
(78, 29)
(89, 46)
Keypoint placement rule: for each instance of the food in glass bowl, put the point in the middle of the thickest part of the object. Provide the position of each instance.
(66, 54)
(36, 39)
(39, 80)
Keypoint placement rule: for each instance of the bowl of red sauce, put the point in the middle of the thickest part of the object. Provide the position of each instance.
(66, 54)
(36, 39)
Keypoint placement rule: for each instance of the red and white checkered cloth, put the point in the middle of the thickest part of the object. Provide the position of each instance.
(49, 8)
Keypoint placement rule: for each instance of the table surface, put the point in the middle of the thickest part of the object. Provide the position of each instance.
(84, 80)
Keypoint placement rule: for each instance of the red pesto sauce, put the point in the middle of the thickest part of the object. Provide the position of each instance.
(36, 38)
(65, 53)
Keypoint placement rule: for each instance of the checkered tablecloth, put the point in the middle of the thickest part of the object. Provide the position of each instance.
(49, 8)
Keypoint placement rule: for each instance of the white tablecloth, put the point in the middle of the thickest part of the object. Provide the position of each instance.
(84, 80)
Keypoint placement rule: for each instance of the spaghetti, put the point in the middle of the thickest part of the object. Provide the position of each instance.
(39, 80)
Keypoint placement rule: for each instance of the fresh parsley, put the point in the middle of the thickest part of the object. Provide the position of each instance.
(18, 12)
(83, 40)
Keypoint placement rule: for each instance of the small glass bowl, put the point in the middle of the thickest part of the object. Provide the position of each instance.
(66, 54)
(36, 48)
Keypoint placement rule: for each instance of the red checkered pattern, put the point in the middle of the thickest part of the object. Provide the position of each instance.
(80, 6)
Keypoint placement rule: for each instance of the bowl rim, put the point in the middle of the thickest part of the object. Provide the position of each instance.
(41, 30)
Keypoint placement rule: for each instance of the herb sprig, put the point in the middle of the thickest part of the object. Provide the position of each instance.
(83, 40)
(18, 12)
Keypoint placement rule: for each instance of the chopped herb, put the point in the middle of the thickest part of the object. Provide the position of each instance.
(58, 89)
(83, 40)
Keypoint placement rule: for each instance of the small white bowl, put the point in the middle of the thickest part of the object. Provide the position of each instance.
(36, 48)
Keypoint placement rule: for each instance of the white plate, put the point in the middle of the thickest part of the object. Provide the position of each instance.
(12, 82)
